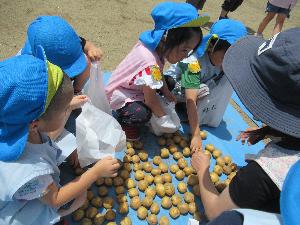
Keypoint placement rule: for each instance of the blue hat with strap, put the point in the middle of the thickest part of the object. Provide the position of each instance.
(227, 29)
(168, 15)
(290, 196)
(61, 43)
(27, 85)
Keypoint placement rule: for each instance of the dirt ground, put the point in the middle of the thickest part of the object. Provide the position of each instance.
(113, 25)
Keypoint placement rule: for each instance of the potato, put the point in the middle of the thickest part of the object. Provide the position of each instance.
(123, 208)
(130, 151)
(180, 175)
(206, 152)
(197, 216)
(135, 159)
(192, 207)
(167, 178)
(124, 174)
(174, 212)
(214, 177)
(126, 221)
(155, 208)
(182, 188)
(143, 155)
(186, 152)
(203, 135)
(97, 202)
(111, 223)
(142, 213)
(169, 189)
(177, 155)
(139, 175)
(129, 183)
(121, 198)
(152, 219)
(220, 161)
(166, 202)
(160, 190)
(164, 153)
(216, 153)
(120, 190)
(174, 168)
(234, 167)
(231, 176)
(85, 204)
(188, 170)
(137, 166)
(220, 186)
(176, 139)
(183, 144)
(86, 221)
(168, 135)
(218, 170)
(172, 149)
(108, 202)
(196, 190)
(192, 180)
(150, 191)
(149, 178)
(91, 212)
(147, 202)
(227, 160)
(157, 160)
(129, 144)
(161, 141)
(138, 145)
(227, 170)
(90, 195)
(147, 167)
(169, 142)
(99, 219)
(127, 167)
(163, 167)
(108, 181)
(155, 172)
(99, 181)
(135, 203)
(78, 214)
(189, 197)
(102, 191)
(118, 181)
(110, 215)
(158, 179)
(183, 208)
(182, 163)
(127, 158)
(133, 192)
(142, 185)
(176, 199)
(210, 147)
(164, 221)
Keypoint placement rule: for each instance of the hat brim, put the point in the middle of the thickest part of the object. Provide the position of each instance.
(12, 141)
(204, 45)
(198, 22)
(77, 67)
(151, 38)
(237, 68)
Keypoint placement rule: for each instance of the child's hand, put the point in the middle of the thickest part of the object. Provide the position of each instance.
(95, 54)
(107, 167)
(200, 161)
(78, 101)
(196, 143)
(247, 136)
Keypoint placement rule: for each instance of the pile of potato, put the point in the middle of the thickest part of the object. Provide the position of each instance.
(153, 178)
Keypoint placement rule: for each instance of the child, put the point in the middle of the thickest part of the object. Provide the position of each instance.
(34, 98)
(270, 91)
(229, 6)
(198, 4)
(280, 7)
(133, 85)
(200, 80)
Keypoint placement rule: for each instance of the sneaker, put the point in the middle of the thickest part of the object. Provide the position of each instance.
(132, 133)
(259, 35)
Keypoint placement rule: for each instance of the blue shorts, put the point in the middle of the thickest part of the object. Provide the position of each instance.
(276, 9)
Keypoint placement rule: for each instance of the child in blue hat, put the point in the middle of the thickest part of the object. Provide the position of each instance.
(134, 83)
(34, 98)
(200, 81)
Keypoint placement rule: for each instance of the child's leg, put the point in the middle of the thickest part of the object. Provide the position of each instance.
(133, 116)
(265, 22)
(279, 23)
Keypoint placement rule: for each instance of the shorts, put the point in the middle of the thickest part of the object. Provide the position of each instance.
(278, 10)
(231, 5)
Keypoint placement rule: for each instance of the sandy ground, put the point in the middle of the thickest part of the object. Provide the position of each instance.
(113, 25)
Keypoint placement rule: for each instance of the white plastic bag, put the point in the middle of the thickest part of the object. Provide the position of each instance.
(168, 123)
(95, 89)
(98, 135)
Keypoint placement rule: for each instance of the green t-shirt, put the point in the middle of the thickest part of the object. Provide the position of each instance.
(190, 75)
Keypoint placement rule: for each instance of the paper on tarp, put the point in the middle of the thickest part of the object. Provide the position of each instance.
(95, 89)
(169, 123)
(98, 135)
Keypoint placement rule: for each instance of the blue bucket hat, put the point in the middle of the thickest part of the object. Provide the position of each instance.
(23, 94)
(168, 15)
(60, 42)
(290, 196)
(227, 29)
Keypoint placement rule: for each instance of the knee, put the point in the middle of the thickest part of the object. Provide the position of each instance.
(280, 19)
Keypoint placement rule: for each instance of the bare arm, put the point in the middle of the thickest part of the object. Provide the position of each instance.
(152, 101)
